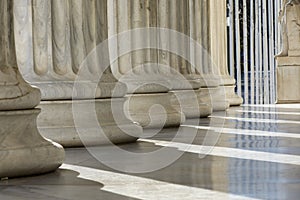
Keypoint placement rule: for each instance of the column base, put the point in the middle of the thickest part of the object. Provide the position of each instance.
(231, 96)
(187, 101)
(215, 97)
(145, 83)
(227, 80)
(153, 110)
(57, 122)
(228, 83)
(23, 150)
(65, 90)
(210, 81)
(288, 81)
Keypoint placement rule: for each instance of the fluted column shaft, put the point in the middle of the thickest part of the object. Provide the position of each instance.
(194, 21)
(70, 64)
(183, 76)
(218, 50)
(148, 83)
(140, 65)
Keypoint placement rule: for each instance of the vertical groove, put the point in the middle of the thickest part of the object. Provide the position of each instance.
(89, 32)
(77, 38)
(123, 24)
(198, 37)
(7, 43)
(137, 21)
(173, 20)
(60, 37)
(163, 22)
(102, 36)
(40, 36)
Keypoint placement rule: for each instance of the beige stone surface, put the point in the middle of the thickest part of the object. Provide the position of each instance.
(87, 122)
(68, 32)
(154, 110)
(288, 84)
(188, 102)
(15, 93)
(293, 28)
(289, 17)
(214, 97)
(288, 61)
(218, 50)
(149, 102)
(23, 151)
(66, 65)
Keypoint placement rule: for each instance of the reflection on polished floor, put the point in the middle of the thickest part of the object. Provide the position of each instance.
(249, 152)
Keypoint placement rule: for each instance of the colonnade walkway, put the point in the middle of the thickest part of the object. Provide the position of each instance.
(248, 152)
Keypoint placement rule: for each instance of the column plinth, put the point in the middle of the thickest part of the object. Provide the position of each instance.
(154, 110)
(23, 151)
(192, 103)
(288, 81)
(65, 131)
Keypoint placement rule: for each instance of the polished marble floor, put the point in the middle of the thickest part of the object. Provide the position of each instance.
(249, 152)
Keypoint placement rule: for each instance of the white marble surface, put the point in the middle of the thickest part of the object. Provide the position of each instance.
(154, 110)
(214, 96)
(251, 160)
(288, 83)
(62, 121)
(23, 151)
(15, 93)
(188, 102)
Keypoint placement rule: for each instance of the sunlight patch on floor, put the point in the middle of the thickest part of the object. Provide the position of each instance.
(144, 188)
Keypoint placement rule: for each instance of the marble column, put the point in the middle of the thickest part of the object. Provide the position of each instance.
(23, 151)
(185, 84)
(218, 50)
(65, 39)
(206, 72)
(288, 61)
(149, 102)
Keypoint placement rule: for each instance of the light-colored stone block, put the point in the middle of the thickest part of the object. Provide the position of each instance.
(23, 150)
(288, 84)
(231, 96)
(78, 123)
(215, 97)
(187, 101)
(153, 110)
